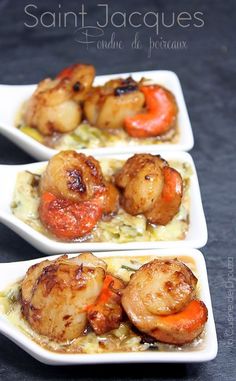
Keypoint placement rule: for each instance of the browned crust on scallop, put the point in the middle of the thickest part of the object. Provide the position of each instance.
(163, 211)
(106, 108)
(150, 187)
(162, 286)
(58, 293)
(77, 177)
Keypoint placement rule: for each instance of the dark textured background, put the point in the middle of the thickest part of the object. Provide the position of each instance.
(207, 70)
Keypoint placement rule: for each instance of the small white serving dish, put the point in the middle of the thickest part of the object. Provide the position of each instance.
(12, 98)
(196, 236)
(207, 350)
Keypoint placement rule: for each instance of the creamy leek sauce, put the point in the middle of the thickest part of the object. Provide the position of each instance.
(120, 228)
(123, 339)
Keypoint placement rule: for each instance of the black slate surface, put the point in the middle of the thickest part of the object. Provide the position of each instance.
(207, 70)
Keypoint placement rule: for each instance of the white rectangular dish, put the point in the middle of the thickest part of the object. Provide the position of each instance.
(11, 272)
(12, 98)
(196, 236)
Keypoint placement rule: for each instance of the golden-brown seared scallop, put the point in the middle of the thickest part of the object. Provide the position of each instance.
(52, 109)
(80, 78)
(107, 106)
(76, 177)
(149, 186)
(163, 291)
(162, 287)
(72, 176)
(55, 296)
(166, 207)
(54, 106)
(142, 180)
(74, 195)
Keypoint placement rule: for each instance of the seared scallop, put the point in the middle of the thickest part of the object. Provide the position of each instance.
(79, 78)
(107, 106)
(163, 287)
(150, 187)
(160, 301)
(142, 181)
(76, 177)
(55, 106)
(52, 109)
(55, 295)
